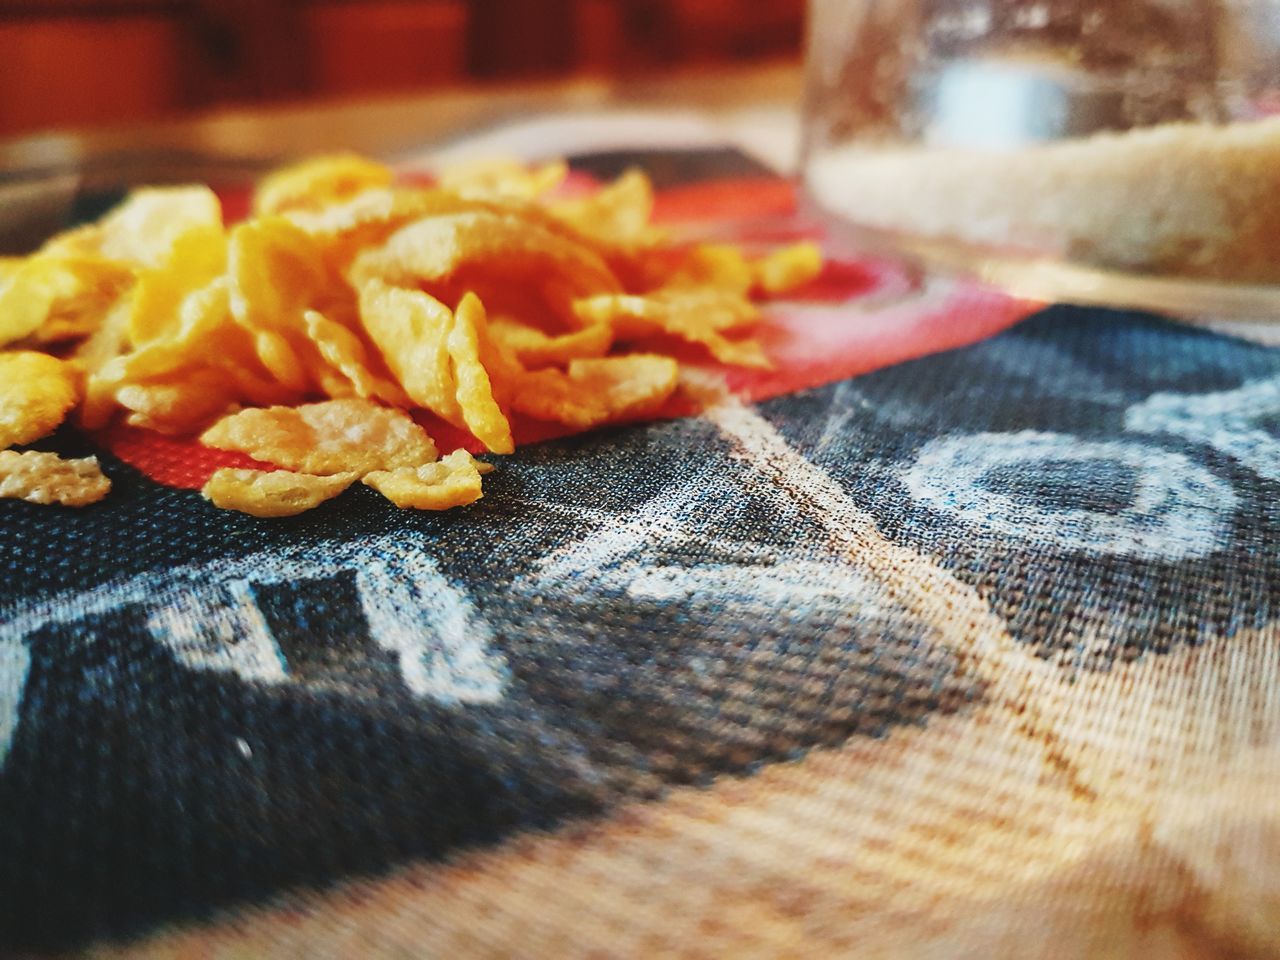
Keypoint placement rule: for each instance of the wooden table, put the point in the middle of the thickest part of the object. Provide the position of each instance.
(385, 127)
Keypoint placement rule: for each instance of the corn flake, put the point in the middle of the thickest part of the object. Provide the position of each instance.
(786, 269)
(346, 354)
(335, 436)
(276, 273)
(68, 296)
(276, 493)
(534, 348)
(597, 391)
(480, 411)
(502, 179)
(411, 329)
(110, 339)
(29, 293)
(616, 215)
(451, 482)
(142, 231)
(36, 393)
(462, 248)
(181, 403)
(40, 477)
(697, 315)
(318, 182)
(198, 257)
(716, 265)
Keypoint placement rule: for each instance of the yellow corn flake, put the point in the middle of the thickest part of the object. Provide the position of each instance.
(69, 296)
(502, 179)
(786, 269)
(698, 316)
(344, 230)
(206, 348)
(276, 273)
(28, 295)
(616, 215)
(179, 404)
(318, 182)
(534, 348)
(346, 354)
(142, 231)
(335, 436)
(379, 207)
(598, 391)
(275, 270)
(198, 258)
(480, 411)
(451, 482)
(39, 477)
(276, 493)
(411, 329)
(110, 339)
(716, 265)
(201, 335)
(36, 393)
(462, 248)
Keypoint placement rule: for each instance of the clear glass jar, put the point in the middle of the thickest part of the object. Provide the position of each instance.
(1118, 151)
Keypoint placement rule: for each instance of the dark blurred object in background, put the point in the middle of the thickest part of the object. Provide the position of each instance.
(92, 62)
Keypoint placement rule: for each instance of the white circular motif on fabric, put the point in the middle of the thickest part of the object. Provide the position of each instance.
(1233, 421)
(1175, 510)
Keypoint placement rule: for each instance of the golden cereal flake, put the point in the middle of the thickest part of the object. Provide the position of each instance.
(40, 477)
(36, 393)
(351, 435)
(451, 482)
(273, 493)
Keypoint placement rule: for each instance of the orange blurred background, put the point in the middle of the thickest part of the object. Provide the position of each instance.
(79, 63)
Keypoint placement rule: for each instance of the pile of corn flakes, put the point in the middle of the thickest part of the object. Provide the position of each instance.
(306, 334)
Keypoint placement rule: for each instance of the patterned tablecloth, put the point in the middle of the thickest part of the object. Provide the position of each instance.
(951, 637)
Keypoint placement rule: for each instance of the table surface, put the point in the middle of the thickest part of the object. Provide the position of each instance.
(387, 127)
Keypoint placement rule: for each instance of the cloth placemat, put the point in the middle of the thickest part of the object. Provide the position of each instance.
(951, 637)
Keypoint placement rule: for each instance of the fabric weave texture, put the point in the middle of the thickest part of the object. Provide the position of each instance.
(971, 655)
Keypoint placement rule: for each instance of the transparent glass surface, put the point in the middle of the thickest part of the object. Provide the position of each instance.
(1124, 152)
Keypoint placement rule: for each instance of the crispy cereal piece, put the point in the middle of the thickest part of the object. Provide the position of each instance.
(318, 182)
(110, 339)
(534, 348)
(142, 231)
(447, 252)
(335, 436)
(411, 330)
(346, 354)
(784, 270)
(65, 297)
(181, 403)
(39, 477)
(502, 179)
(616, 215)
(344, 230)
(694, 315)
(36, 393)
(276, 273)
(451, 482)
(480, 411)
(597, 391)
(28, 294)
(276, 493)
(180, 380)
(198, 258)
(717, 265)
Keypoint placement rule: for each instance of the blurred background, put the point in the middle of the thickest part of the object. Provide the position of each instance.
(88, 63)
